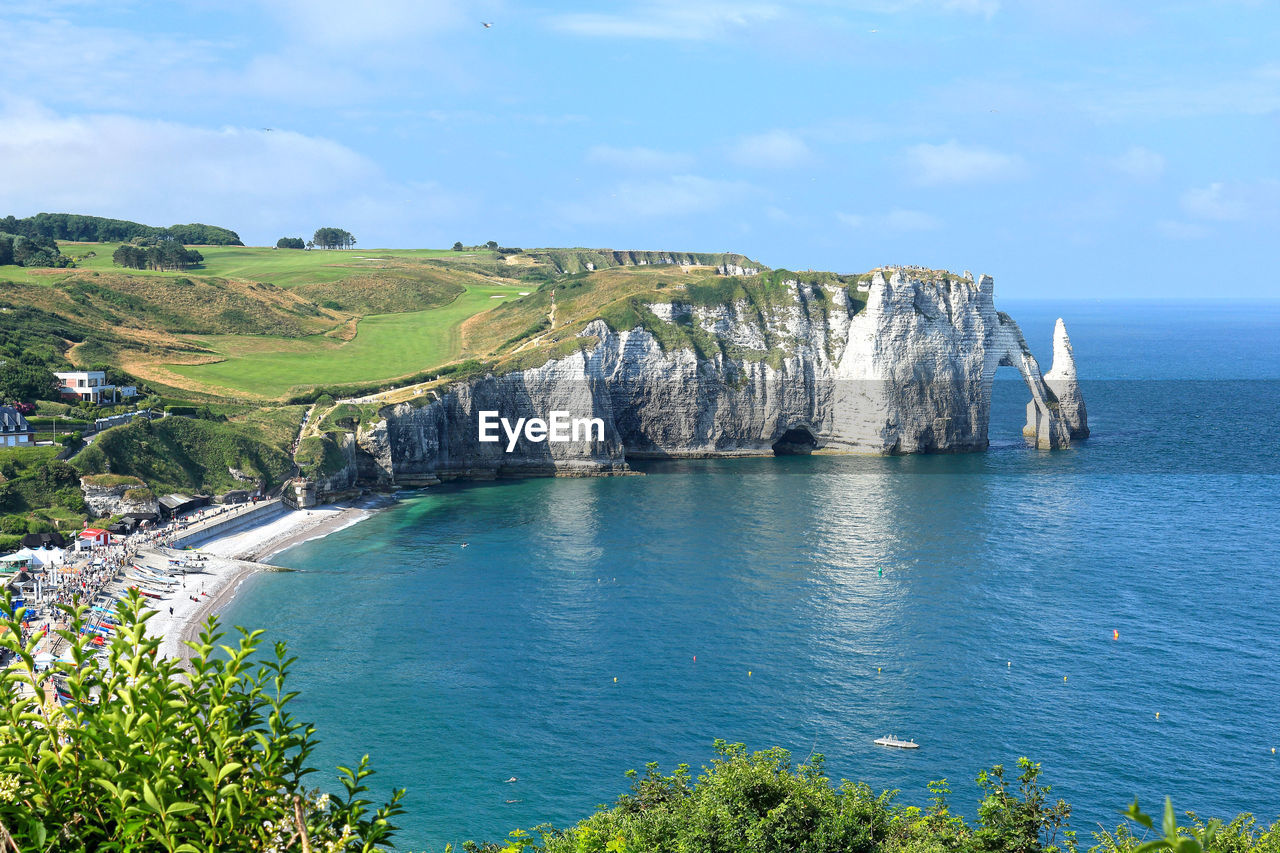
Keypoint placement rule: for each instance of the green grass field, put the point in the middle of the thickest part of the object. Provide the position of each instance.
(385, 346)
(281, 267)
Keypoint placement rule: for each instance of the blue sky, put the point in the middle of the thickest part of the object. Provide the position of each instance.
(1076, 148)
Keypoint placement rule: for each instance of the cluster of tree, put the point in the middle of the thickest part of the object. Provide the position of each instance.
(25, 378)
(168, 255)
(758, 803)
(333, 238)
(30, 251)
(492, 246)
(98, 229)
(290, 243)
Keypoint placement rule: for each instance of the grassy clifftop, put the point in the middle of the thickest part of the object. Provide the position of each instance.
(268, 324)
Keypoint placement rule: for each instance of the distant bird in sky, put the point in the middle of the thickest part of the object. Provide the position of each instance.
(487, 25)
(873, 31)
(268, 129)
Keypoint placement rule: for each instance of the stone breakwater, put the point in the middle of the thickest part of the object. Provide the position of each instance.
(902, 364)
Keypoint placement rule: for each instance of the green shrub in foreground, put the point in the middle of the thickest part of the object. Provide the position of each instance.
(148, 756)
(757, 802)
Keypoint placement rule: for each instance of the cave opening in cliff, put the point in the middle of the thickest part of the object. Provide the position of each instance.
(796, 441)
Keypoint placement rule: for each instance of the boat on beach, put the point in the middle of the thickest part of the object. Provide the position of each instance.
(894, 741)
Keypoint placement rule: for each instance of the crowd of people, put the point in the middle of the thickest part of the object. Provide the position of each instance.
(99, 573)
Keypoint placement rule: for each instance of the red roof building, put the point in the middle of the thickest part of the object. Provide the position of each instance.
(96, 536)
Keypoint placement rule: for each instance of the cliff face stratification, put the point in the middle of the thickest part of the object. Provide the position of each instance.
(902, 363)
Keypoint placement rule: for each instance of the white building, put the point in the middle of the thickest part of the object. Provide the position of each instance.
(14, 429)
(93, 385)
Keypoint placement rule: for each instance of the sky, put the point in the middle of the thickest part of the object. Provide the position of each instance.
(1067, 147)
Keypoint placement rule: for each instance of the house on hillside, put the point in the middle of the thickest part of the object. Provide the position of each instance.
(15, 431)
(92, 385)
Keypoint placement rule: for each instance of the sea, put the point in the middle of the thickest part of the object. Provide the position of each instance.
(1111, 611)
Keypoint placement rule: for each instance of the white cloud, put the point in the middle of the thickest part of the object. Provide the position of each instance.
(1139, 163)
(669, 19)
(1233, 202)
(159, 172)
(301, 52)
(639, 158)
(676, 196)
(897, 219)
(776, 149)
(110, 65)
(953, 163)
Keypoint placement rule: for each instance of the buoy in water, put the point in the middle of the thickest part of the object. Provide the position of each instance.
(877, 669)
(1157, 715)
(615, 679)
(695, 658)
(748, 673)
(1010, 663)
(1064, 678)
(1115, 635)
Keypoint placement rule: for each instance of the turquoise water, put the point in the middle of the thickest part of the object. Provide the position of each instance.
(457, 668)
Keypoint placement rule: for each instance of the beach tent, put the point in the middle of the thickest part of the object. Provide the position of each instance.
(47, 556)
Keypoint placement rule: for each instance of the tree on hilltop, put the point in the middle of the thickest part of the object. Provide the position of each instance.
(168, 255)
(290, 243)
(333, 238)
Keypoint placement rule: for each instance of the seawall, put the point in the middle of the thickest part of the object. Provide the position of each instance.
(252, 517)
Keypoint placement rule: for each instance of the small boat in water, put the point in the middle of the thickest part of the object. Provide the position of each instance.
(891, 740)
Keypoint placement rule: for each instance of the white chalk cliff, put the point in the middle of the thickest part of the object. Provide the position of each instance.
(908, 372)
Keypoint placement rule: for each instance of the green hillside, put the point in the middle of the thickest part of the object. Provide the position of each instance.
(271, 324)
(180, 454)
